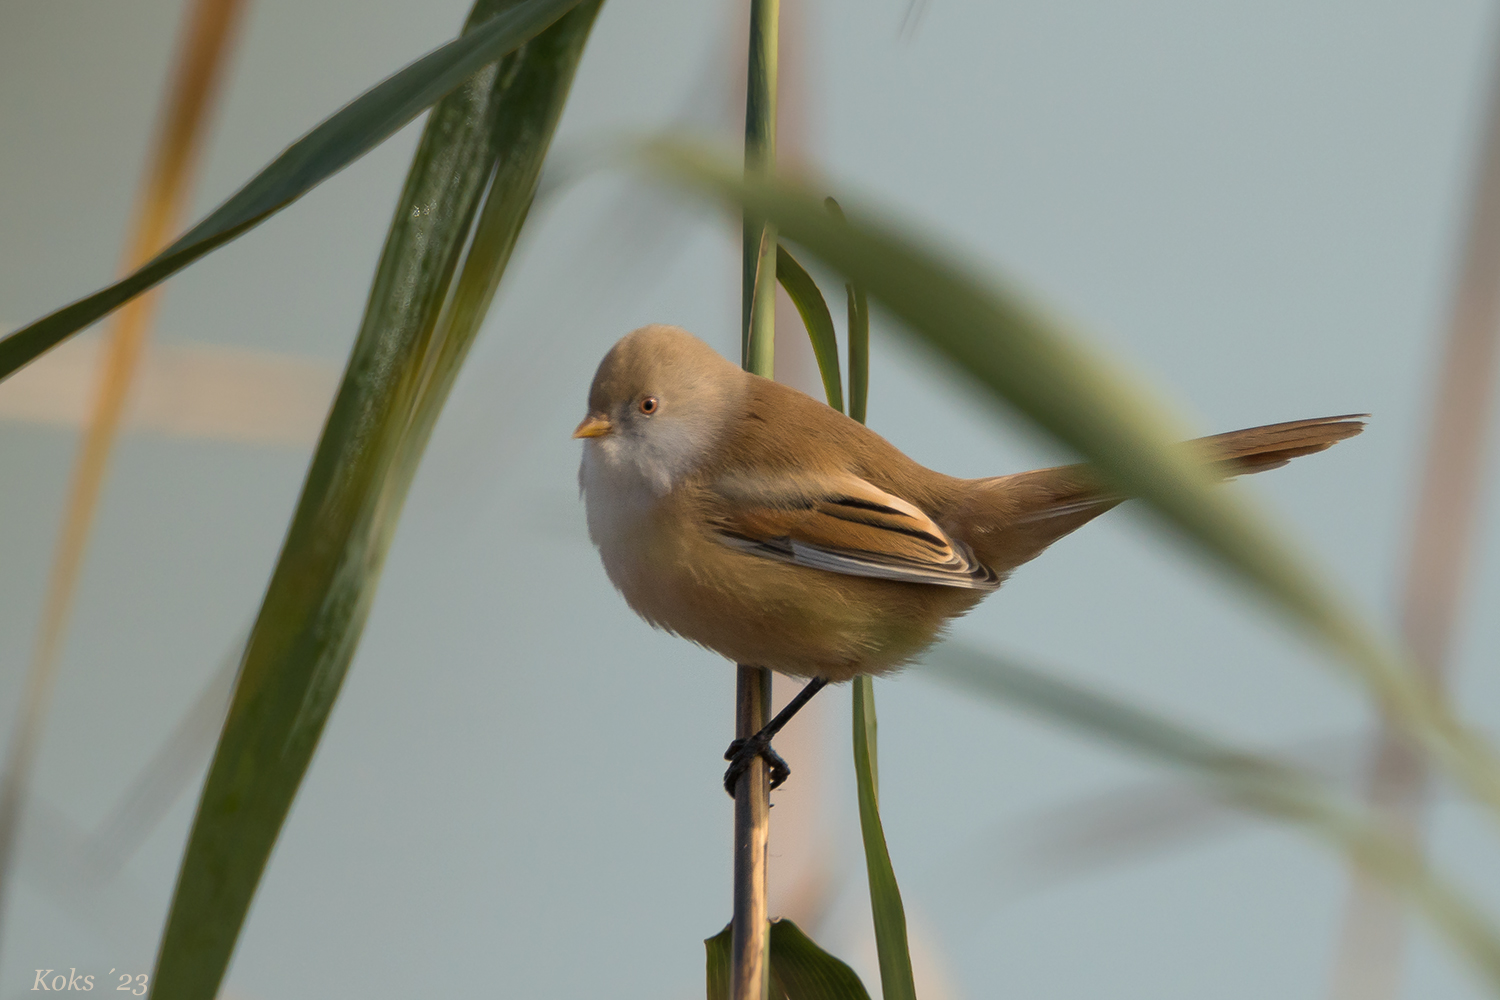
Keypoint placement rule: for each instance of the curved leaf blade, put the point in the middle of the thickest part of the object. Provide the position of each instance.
(859, 336)
(816, 319)
(896, 982)
(859, 350)
(360, 126)
(324, 582)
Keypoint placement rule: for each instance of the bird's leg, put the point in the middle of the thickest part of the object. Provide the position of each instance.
(742, 751)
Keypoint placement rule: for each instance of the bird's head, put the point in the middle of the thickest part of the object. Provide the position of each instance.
(660, 399)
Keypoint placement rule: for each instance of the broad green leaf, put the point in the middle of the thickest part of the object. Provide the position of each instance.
(803, 292)
(1030, 360)
(397, 379)
(1260, 784)
(885, 896)
(539, 89)
(363, 124)
(800, 970)
(719, 951)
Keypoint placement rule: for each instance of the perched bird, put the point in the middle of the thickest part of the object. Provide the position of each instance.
(768, 527)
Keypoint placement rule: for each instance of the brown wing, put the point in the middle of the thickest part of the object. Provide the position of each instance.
(842, 524)
(1016, 517)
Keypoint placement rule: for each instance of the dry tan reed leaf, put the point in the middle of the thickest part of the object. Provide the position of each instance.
(183, 390)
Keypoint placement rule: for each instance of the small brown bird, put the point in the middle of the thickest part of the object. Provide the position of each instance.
(772, 529)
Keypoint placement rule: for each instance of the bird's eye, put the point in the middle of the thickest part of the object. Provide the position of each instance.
(650, 405)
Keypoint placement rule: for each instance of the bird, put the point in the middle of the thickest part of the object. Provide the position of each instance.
(751, 519)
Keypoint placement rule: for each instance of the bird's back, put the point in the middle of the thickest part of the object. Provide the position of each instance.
(1005, 520)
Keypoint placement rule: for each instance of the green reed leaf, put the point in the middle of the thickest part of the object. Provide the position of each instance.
(1030, 360)
(403, 363)
(360, 126)
(885, 895)
(859, 351)
(1257, 783)
(859, 336)
(818, 321)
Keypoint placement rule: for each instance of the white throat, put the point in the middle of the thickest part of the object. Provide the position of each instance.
(624, 475)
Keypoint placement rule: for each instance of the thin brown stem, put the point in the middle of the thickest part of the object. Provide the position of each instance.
(752, 837)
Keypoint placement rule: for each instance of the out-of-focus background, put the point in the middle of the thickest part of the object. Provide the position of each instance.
(1259, 207)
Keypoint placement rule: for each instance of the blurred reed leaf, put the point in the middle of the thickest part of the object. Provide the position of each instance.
(896, 981)
(800, 970)
(1123, 825)
(140, 808)
(1257, 783)
(397, 378)
(340, 140)
(1027, 358)
(804, 293)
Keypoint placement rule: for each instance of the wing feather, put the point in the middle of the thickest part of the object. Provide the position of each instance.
(843, 524)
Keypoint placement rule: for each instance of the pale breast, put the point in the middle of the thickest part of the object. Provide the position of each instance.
(619, 504)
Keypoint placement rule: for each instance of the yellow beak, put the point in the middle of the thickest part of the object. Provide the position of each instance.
(594, 425)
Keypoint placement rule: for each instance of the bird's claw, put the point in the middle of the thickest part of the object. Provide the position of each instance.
(746, 749)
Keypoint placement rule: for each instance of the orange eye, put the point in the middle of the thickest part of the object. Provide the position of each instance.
(650, 405)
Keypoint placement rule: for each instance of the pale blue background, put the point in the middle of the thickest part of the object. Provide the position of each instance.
(1256, 205)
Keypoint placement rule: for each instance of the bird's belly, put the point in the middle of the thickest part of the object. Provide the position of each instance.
(793, 619)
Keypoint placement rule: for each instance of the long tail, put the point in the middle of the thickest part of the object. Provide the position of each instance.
(1020, 515)
(1257, 449)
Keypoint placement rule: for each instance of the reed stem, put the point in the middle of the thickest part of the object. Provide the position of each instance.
(750, 945)
(758, 313)
(752, 835)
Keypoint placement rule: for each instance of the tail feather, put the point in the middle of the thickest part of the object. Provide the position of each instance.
(1257, 449)
(1024, 513)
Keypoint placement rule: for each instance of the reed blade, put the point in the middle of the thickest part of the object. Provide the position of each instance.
(397, 378)
(1031, 363)
(896, 982)
(858, 306)
(816, 319)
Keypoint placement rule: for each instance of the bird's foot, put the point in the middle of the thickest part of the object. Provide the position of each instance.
(742, 751)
